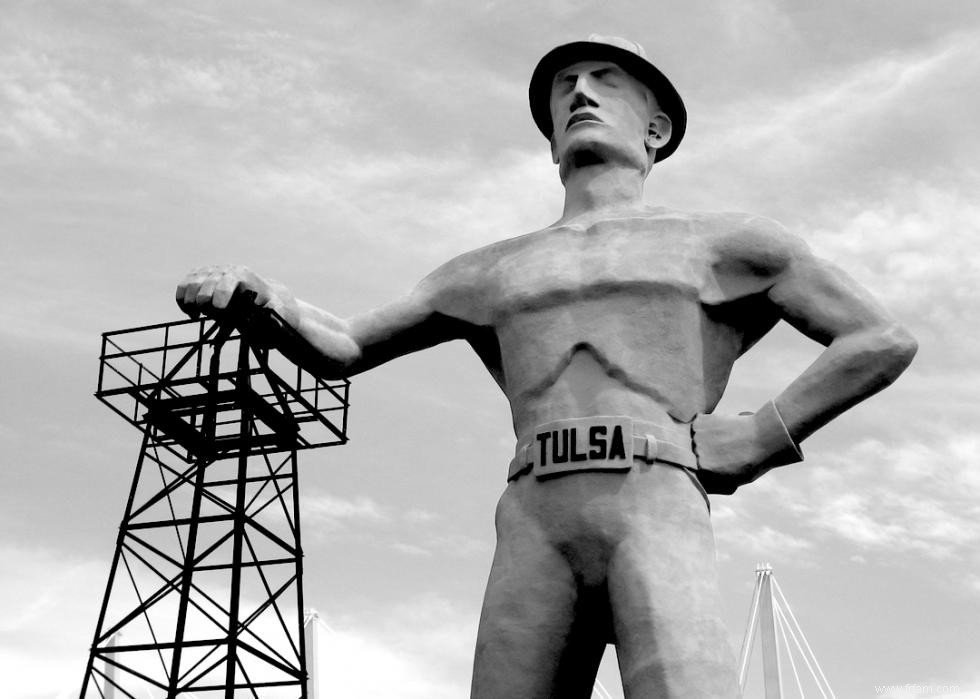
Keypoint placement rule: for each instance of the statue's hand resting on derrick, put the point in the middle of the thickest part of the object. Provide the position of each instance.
(209, 290)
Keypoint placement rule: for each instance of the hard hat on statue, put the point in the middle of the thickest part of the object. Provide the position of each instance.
(628, 55)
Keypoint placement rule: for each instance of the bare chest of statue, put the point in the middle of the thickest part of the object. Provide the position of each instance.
(606, 318)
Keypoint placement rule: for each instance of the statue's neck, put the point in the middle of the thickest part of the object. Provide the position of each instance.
(601, 187)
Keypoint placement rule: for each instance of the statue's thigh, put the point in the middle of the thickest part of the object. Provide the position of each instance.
(666, 608)
(528, 644)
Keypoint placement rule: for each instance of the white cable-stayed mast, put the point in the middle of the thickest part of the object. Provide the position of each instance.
(771, 617)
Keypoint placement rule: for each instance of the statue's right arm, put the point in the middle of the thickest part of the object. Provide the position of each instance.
(332, 347)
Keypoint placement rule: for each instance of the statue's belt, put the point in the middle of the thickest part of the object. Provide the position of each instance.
(601, 443)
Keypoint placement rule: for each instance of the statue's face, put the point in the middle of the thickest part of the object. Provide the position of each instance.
(600, 113)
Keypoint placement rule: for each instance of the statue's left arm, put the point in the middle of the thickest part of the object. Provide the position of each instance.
(865, 350)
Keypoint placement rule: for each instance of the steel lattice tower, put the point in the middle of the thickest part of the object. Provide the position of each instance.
(205, 594)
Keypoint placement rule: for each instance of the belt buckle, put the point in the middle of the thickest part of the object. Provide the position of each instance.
(583, 444)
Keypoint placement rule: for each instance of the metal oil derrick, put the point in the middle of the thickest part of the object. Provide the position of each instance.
(205, 594)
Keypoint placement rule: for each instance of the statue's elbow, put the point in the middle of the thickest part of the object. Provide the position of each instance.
(333, 362)
(898, 349)
(337, 368)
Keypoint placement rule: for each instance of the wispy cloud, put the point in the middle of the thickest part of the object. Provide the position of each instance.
(752, 538)
(332, 513)
(869, 109)
(916, 247)
(413, 531)
(48, 619)
(882, 500)
(44, 102)
(904, 498)
(837, 140)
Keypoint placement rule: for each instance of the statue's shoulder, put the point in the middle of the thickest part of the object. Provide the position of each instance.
(464, 286)
(747, 242)
(746, 254)
(473, 266)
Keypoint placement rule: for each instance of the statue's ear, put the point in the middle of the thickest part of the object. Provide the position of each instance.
(658, 131)
(554, 151)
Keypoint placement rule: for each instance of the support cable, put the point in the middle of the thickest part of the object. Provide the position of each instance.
(792, 617)
(601, 691)
(750, 628)
(806, 659)
(781, 622)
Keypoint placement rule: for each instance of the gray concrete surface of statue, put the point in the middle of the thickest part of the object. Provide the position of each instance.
(612, 333)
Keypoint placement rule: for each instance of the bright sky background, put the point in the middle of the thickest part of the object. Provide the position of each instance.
(347, 148)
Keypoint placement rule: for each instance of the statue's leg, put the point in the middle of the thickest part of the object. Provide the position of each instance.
(528, 644)
(666, 607)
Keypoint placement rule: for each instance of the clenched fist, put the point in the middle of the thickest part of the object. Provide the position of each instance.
(210, 289)
(735, 450)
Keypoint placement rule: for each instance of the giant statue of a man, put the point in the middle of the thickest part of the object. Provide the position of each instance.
(612, 332)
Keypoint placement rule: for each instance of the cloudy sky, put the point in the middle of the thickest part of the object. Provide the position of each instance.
(347, 148)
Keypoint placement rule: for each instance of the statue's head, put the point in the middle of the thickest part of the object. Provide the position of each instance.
(601, 100)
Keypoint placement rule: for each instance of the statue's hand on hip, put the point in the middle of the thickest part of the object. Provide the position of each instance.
(733, 450)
